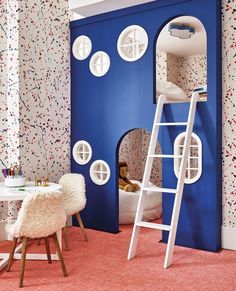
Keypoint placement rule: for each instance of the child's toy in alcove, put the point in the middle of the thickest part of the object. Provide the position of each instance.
(124, 183)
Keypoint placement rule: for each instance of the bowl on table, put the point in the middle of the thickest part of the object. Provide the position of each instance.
(15, 181)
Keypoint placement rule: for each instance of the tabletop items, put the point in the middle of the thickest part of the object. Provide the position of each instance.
(42, 182)
(14, 176)
(20, 193)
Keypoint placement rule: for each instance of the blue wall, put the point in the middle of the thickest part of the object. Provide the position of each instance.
(105, 108)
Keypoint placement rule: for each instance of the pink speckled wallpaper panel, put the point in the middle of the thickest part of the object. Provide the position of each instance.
(133, 150)
(3, 94)
(229, 112)
(186, 72)
(35, 89)
(161, 65)
(45, 88)
(3, 85)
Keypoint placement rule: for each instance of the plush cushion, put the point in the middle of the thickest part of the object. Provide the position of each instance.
(41, 215)
(73, 189)
(172, 91)
(128, 202)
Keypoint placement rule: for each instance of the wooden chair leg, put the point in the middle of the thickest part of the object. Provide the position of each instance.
(81, 226)
(58, 249)
(47, 245)
(65, 231)
(22, 263)
(11, 255)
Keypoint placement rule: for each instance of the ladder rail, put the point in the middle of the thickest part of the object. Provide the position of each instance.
(146, 177)
(152, 145)
(180, 184)
(172, 228)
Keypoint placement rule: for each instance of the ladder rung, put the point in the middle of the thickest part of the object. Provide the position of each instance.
(165, 156)
(191, 169)
(154, 225)
(191, 146)
(158, 189)
(178, 101)
(171, 123)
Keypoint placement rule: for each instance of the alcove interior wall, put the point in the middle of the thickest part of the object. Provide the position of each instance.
(133, 150)
(187, 72)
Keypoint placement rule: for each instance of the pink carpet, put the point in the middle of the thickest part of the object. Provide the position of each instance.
(101, 264)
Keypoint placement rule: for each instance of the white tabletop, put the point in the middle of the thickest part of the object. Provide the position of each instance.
(19, 193)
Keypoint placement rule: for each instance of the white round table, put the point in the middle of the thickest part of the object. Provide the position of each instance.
(19, 193)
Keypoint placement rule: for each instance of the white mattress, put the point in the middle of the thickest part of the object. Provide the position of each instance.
(172, 91)
(128, 202)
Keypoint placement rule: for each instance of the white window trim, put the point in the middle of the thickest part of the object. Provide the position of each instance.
(120, 45)
(94, 178)
(88, 151)
(177, 160)
(103, 56)
(84, 39)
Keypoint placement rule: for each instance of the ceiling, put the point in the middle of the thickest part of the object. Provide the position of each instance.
(195, 45)
(85, 8)
(174, 45)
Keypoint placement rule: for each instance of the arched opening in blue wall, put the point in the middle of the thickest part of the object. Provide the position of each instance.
(181, 56)
(133, 149)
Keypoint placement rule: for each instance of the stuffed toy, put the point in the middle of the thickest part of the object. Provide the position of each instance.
(124, 183)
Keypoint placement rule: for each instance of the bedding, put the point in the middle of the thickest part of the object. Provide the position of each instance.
(172, 91)
(128, 202)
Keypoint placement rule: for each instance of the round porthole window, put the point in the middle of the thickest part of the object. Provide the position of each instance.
(82, 47)
(99, 64)
(100, 172)
(132, 43)
(82, 152)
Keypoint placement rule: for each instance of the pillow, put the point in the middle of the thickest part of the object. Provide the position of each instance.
(172, 91)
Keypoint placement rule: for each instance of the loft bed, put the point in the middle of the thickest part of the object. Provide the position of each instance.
(104, 109)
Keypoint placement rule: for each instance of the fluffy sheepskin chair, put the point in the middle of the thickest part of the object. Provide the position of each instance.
(41, 215)
(74, 199)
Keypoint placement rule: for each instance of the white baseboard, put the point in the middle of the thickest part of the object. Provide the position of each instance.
(228, 238)
(3, 233)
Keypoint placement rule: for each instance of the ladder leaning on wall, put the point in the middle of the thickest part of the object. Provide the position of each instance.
(172, 228)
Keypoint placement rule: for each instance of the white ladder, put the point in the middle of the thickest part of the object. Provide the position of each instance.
(172, 228)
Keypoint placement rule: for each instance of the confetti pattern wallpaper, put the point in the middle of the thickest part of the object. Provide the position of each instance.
(3, 94)
(45, 89)
(40, 58)
(34, 89)
(229, 112)
(192, 72)
(133, 150)
(13, 82)
(186, 72)
(161, 65)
